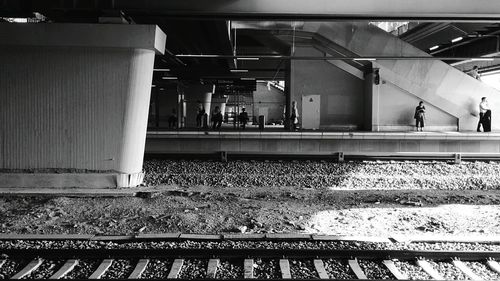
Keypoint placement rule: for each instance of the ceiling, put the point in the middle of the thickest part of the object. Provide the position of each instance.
(229, 38)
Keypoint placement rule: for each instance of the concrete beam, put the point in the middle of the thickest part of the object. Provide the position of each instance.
(76, 96)
(313, 9)
(149, 37)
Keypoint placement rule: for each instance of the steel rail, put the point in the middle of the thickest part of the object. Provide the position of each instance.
(252, 253)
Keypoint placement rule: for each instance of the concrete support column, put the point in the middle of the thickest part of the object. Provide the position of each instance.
(288, 94)
(197, 96)
(76, 97)
(220, 102)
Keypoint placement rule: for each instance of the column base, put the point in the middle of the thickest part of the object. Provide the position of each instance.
(69, 180)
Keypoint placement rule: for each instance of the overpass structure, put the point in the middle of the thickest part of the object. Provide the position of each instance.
(79, 80)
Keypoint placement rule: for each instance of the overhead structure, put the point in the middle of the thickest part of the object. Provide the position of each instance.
(276, 9)
(75, 97)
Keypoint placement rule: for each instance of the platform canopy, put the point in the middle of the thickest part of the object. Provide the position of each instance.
(314, 9)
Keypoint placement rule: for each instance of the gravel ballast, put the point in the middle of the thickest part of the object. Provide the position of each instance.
(303, 269)
(338, 269)
(448, 270)
(193, 269)
(317, 174)
(157, 269)
(230, 269)
(119, 269)
(412, 270)
(375, 270)
(46, 269)
(482, 270)
(266, 269)
(83, 269)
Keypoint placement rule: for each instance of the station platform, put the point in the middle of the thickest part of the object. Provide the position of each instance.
(321, 143)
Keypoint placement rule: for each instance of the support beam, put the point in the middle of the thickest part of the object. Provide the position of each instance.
(76, 97)
(289, 9)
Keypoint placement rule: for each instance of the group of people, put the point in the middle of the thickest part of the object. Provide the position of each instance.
(484, 116)
(419, 116)
(217, 118)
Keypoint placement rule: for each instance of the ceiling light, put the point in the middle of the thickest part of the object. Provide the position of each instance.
(482, 59)
(457, 39)
(247, 58)
(364, 59)
(433, 48)
(238, 70)
(169, 78)
(245, 78)
(152, 86)
(161, 69)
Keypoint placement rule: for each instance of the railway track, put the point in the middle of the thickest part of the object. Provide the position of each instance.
(239, 264)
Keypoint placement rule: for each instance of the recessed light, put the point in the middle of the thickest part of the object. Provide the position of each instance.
(364, 59)
(247, 58)
(434, 47)
(457, 39)
(482, 59)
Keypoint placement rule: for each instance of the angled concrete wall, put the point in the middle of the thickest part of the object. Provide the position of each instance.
(342, 93)
(75, 95)
(435, 82)
(269, 102)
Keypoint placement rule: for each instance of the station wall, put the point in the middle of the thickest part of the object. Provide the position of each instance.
(394, 111)
(433, 81)
(269, 102)
(342, 94)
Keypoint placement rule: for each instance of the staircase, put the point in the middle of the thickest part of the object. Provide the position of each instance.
(432, 81)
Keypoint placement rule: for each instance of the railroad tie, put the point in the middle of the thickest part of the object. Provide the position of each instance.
(394, 270)
(212, 268)
(427, 267)
(466, 270)
(139, 269)
(357, 269)
(320, 269)
(285, 269)
(176, 269)
(494, 266)
(2, 262)
(101, 269)
(248, 267)
(33, 265)
(65, 269)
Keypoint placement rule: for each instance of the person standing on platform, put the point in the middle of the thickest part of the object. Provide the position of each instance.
(243, 118)
(294, 116)
(475, 73)
(419, 116)
(172, 119)
(484, 116)
(216, 118)
(199, 117)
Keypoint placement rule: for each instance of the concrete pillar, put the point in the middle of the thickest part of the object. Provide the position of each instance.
(76, 96)
(288, 94)
(196, 96)
(220, 102)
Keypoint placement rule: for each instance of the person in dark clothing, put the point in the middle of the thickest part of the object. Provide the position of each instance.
(484, 116)
(172, 119)
(216, 118)
(199, 117)
(420, 116)
(294, 116)
(243, 118)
